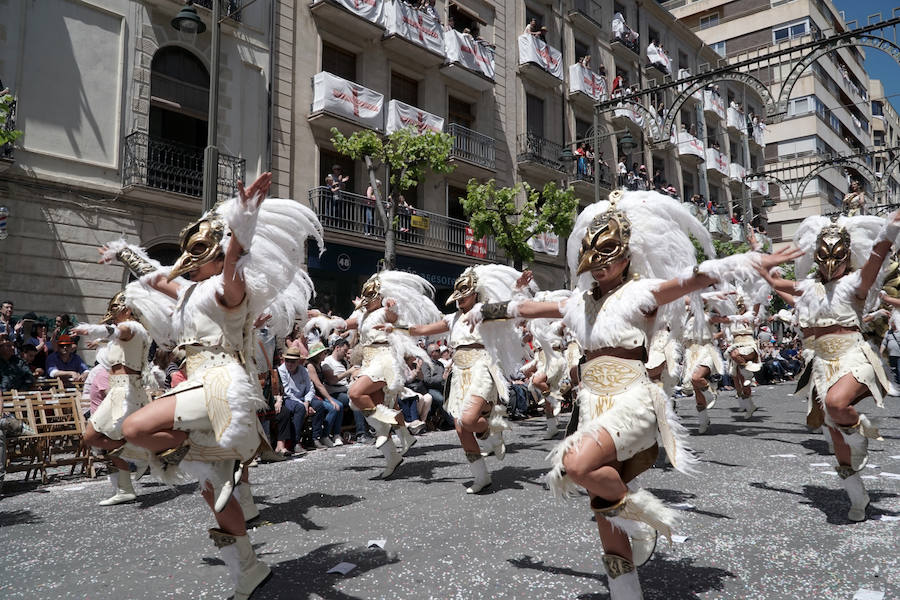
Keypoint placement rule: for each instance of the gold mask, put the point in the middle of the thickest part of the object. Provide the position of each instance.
(371, 290)
(832, 251)
(465, 285)
(201, 243)
(605, 241)
(116, 305)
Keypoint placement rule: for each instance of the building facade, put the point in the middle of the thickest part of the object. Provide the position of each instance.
(885, 136)
(829, 111)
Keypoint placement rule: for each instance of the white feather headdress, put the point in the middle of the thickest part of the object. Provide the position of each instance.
(414, 297)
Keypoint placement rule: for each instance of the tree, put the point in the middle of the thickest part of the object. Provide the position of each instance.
(408, 155)
(7, 135)
(494, 211)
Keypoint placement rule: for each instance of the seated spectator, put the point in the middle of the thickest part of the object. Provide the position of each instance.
(446, 357)
(435, 374)
(337, 374)
(29, 355)
(293, 407)
(329, 416)
(518, 396)
(14, 373)
(97, 383)
(63, 327)
(416, 391)
(8, 325)
(65, 363)
(37, 338)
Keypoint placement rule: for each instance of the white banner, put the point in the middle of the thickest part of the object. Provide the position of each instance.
(548, 243)
(737, 171)
(334, 94)
(370, 10)
(716, 160)
(629, 112)
(534, 50)
(659, 58)
(736, 119)
(759, 133)
(760, 186)
(582, 79)
(713, 102)
(463, 49)
(415, 25)
(688, 144)
(400, 115)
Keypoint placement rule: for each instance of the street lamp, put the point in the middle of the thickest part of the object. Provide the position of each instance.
(188, 21)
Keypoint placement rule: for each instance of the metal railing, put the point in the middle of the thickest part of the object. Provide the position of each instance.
(590, 9)
(6, 150)
(229, 7)
(472, 146)
(353, 213)
(175, 167)
(534, 148)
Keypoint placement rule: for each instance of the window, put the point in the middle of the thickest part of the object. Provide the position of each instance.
(835, 122)
(719, 48)
(653, 35)
(404, 89)
(877, 108)
(534, 115)
(454, 204)
(789, 32)
(461, 19)
(683, 61)
(460, 111)
(618, 8)
(878, 138)
(582, 128)
(581, 49)
(338, 61)
(709, 21)
(800, 106)
(532, 14)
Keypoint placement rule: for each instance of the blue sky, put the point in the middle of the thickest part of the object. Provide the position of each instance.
(878, 64)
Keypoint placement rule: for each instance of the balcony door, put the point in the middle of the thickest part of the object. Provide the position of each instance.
(179, 104)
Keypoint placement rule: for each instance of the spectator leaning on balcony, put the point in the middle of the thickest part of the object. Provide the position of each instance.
(369, 208)
(14, 373)
(65, 363)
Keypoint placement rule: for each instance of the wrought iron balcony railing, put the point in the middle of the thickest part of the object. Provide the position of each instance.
(590, 9)
(534, 148)
(472, 146)
(353, 213)
(228, 7)
(6, 150)
(173, 167)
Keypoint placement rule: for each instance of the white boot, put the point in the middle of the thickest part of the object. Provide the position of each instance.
(479, 472)
(495, 445)
(121, 481)
(643, 538)
(639, 505)
(226, 475)
(746, 376)
(247, 571)
(382, 430)
(622, 578)
(393, 458)
(703, 421)
(750, 409)
(552, 428)
(244, 494)
(407, 439)
(856, 491)
(859, 444)
(710, 396)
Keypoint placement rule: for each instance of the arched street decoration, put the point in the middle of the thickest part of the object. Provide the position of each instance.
(889, 168)
(749, 80)
(782, 185)
(650, 126)
(829, 45)
(851, 161)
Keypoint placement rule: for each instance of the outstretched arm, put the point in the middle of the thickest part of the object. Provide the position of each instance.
(435, 328)
(233, 283)
(880, 252)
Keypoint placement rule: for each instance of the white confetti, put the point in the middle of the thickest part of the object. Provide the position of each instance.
(868, 477)
(828, 472)
(886, 518)
(782, 456)
(343, 568)
(862, 594)
(376, 544)
(680, 539)
(683, 506)
(820, 465)
(890, 475)
(896, 457)
(73, 488)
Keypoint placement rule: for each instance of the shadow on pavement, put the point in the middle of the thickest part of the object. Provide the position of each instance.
(679, 497)
(294, 511)
(18, 517)
(514, 478)
(151, 499)
(833, 502)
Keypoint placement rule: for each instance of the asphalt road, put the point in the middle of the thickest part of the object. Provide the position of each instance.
(764, 519)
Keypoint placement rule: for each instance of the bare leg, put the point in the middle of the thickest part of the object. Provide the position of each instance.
(700, 384)
(473, 419)
(98, 440)
(841, 397)
(231, 519)
(152, 426)
(365, 393)
(467, 440)
(539, 380)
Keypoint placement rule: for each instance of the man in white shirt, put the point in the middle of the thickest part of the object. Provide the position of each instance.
(338, 374)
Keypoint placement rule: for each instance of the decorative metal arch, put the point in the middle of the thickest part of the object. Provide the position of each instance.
(872, 41)
(835, 162)
(690, 90)
(782, 185)
(892, 165)
(651, 126)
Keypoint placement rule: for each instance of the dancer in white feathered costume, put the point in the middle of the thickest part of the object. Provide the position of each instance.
(702, 361)
(391, 300)
(549, 366)
(482, 359)
(126, 354)
(743, 349)
(848, 256)
(632, 267)
(242, 257)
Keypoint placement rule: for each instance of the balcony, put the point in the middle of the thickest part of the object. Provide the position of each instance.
(470, 62)
(690, 146)
(713, 104)
(353, 214)
(344, 104)
(539, 62)
(736, 120)
(361, 21)
(472, 148)
(176, 168)
(6, 150)
(229, 8)
(716, 162)
(586, 87)
(538, 157)
(415, 35)
(588, 13)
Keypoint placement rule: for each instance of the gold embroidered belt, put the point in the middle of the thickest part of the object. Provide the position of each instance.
(199, 359)
(466, 358)
(833, 346)
(609, 375)
(744, 340)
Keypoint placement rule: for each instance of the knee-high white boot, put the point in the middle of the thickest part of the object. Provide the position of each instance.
(244, 494)
(622, 578)
(703, 421)
(552, 428)
(121, 481)
(479, 473)
(407, 439)
(247, 571)
(859, 444)
(383, 442)
(639, 505)
(381, 418)
(856, 491)
(393, 458)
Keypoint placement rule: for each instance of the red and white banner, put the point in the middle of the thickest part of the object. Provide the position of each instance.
(337, 95)
(737, 171)
(716, 160)
(534, 50)
(688, 144)
(415, 25)
(476, 248)
(582, 79)
(629, 112)
(736, 119)
(759, 133)
(548, 243)
(370, 10)
(400, 115)
(760, 186)
(658, 57)
(463, 49)
(713, 102)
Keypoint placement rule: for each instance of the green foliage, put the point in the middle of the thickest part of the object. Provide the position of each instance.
(777, 303)
(722, 249)
(495, 211)
(11, 135)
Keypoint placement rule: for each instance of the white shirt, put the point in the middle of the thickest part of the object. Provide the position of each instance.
(338, 368)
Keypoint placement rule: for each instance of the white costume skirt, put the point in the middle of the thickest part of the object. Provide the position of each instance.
(474, 374)
(556, 369)
(126, 394)
(217, 406)
(837, 355)
(379, 364)
(701, 355)
(618, 397)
